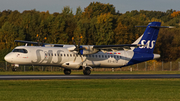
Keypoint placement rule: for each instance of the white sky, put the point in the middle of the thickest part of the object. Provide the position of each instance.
(58, 5)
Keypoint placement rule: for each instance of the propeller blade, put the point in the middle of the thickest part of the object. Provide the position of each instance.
(74, 42)
(81, 58)
(75, 58)
(79, 41)
(43, 41)
(38, 40)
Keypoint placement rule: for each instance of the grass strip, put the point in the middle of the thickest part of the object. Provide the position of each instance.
(93, 72)
(90, 90)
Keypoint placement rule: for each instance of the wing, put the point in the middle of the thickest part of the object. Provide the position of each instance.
(27, 42)
(37, 44)
(87, 49)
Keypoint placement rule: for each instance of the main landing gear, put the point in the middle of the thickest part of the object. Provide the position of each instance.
(67, 71)
(86, 71)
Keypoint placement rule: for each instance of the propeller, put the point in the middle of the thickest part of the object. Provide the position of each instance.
(78, 48)
(37, 36)
(40, 43)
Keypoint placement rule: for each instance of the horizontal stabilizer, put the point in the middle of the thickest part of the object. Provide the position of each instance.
(157, 26)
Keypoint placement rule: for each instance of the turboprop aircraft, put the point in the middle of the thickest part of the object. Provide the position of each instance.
(87, 57)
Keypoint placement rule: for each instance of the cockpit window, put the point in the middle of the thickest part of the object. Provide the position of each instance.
(20, 50)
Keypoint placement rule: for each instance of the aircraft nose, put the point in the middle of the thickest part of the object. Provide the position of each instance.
(8, 58)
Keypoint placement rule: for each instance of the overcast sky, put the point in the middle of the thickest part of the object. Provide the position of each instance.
(57, 5)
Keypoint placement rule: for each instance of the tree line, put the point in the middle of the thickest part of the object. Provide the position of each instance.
(98, 23)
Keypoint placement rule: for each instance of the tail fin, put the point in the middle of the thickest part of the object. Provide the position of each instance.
(148, 39)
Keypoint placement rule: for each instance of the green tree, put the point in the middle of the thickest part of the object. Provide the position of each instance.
(104, 26)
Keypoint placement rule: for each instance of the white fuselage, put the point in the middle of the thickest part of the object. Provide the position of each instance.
(59, 56)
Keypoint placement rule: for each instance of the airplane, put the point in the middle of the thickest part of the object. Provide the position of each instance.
(86, 57)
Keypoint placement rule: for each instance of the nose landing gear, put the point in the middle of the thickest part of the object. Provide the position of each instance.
(14, 69)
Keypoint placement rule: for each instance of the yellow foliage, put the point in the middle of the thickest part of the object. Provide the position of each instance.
(154, 19)
(174, 14)
(158, 20)
(104, 18)
(152, 61)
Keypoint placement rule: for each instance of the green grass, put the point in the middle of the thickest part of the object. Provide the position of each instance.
(93, 72)
(90, 90)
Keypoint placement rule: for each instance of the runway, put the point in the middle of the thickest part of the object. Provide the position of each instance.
(93, 76)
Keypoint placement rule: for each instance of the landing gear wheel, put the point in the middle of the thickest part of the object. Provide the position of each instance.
(14, 69)
(87, 71)
(67, 71)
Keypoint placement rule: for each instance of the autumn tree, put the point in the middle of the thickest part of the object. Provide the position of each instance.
(96, 8)
(104, 26)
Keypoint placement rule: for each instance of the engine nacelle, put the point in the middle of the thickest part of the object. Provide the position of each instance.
(89, 50)
(86, 51)
(72, 65)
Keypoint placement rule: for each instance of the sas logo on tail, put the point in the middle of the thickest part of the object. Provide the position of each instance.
(149, 44)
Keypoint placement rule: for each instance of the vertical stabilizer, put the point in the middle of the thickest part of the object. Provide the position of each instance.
(148, 39)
